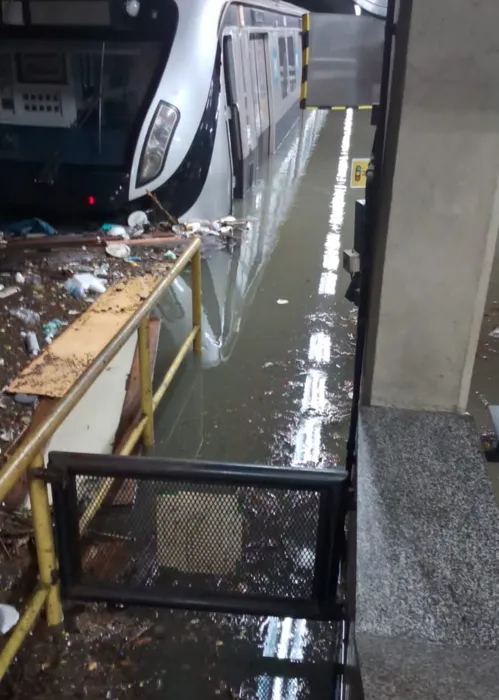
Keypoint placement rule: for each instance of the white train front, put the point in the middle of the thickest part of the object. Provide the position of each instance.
(102, 101)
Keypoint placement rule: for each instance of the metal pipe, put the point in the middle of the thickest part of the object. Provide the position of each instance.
(27, 451)
(22, 629)
(233, 604)
(145, 379)
(196, 300)
(199, 471)
(132, 438)
(44, 541)
(167, 379)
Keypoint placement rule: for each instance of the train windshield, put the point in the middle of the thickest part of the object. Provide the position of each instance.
(76, 77)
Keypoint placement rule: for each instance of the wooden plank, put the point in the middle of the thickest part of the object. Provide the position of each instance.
(59, 366)
(131, 404)
(159, 239)
(122, 493)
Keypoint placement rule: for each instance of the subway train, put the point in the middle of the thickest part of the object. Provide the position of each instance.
(103, 101)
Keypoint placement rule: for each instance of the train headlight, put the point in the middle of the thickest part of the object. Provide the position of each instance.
(157, 142)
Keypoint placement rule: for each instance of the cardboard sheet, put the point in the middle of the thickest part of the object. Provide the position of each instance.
(58, 367)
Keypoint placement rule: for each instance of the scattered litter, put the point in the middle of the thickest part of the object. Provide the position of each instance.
(118, 232)
(35, 225)
(92, 666)
(51, 329)
(8, 618)
(138, 219)
(26, 399)
(228, 220)
(170, 255)
(19, 278)
(27, 316)
(7, 435)
(8, 292)
(32, 344)
(32, 278)
(84, 282)
(179, 230)
(118, 250)
(100, 271)
(282, 301)
(495, 333)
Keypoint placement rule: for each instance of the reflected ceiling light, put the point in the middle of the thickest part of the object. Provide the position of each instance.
(327, 284)
(319, 349)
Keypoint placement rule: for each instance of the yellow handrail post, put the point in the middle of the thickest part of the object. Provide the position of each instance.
(44, 541)
(196, 300)
(146, 382)
(22, 629)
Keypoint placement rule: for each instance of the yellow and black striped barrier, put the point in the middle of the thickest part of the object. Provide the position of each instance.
(305, 36)
(305, 39)
(339, 108)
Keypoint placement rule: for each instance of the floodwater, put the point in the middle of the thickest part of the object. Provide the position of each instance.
(273, 387)
(276, 377)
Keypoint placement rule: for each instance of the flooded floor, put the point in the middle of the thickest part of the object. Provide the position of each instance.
(276, 381)
(274, 387)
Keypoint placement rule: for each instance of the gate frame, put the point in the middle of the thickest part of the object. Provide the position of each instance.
(333, 486)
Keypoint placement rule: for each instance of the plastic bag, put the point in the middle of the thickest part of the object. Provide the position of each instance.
(27, 316)
(84, 282)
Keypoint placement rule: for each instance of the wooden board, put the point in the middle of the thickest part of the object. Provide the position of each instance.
(61, 364)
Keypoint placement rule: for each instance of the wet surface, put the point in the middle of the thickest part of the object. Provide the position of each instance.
(275, 382)
(277, 388)
(273, 387)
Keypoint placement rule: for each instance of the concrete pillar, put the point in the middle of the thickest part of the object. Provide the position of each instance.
(433, 264)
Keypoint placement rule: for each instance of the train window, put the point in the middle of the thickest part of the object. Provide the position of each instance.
(283, 67)
(291, 63)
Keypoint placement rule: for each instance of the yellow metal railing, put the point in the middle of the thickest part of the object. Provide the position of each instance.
(29, 456)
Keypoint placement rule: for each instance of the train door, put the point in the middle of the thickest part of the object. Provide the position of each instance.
(235, 132)
(241, 126)
(259, 77)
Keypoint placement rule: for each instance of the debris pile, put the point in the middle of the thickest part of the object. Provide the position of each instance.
(48, 278)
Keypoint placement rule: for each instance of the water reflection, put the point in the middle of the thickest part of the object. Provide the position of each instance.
(308, 439)
(231, 279)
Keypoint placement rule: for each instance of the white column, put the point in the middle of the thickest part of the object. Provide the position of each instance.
(444, 215)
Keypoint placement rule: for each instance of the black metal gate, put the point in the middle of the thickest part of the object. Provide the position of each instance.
(227, 538)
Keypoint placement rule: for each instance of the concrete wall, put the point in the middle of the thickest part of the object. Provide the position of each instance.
(444, 213)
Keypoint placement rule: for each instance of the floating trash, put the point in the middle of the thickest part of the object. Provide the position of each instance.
(118, 250)
(138, 219)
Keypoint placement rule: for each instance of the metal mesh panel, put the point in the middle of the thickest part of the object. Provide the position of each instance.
(182, 537)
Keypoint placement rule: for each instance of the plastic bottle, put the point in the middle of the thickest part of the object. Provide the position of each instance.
(32, 345)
